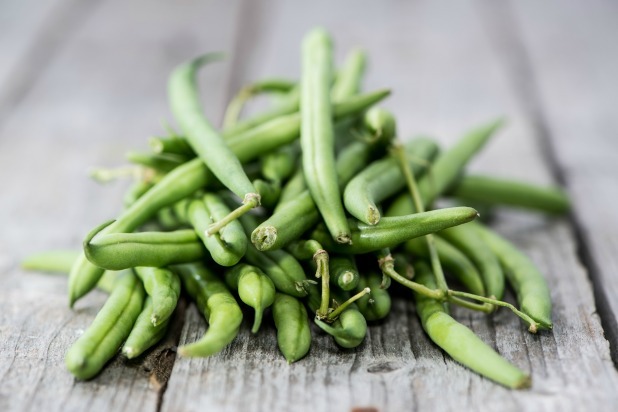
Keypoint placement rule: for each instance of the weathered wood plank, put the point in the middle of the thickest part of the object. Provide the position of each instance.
(575, 61)
(103, 93)
(447, 76)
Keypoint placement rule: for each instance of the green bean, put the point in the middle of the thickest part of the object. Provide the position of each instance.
(254, 288)
(392, 231)
(269, 192)
(460, 342)
(234, 108)
(448, 166)
(127, 250)
(403, 266)
(292, 323)
(163, 162)
(177, 184)
(280, 164)
(294, 217)
(528, 283)
(135, 192)
(456, 262)
(343, 272)
(57, 261)
(167, 219)
(288, 107)
(171, 145)
(163, 286)
(100, 342)
(219, 307)
(226, 247)
(384, 178)
(292, 189)
(144, 333)
(377, 304)
(347, 80)
(497, 191)
(317, 136)
(349, 330)
(380, 125)
(467, 240)
(282, 268)
(203, 138)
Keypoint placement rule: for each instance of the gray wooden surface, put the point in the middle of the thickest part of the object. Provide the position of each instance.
(83, 82)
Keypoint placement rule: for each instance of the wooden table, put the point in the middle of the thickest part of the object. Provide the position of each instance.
(81, 82)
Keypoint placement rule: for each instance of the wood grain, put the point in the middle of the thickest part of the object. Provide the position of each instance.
(102, 93)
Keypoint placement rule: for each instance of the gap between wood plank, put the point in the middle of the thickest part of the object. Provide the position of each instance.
(496, 16)
(46, 44)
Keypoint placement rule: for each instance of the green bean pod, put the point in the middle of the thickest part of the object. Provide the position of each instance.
(135, 192)
(100, 342)
(456, 263)
(254, 289)
(343, 272)
(348, 79)
(377, 304)
(294, 217)
(164, 162)
(219, 307)
(392, 231)
(524, 277)
(175, 185)
(171, 145)
(497, 191)
(294, 187)
(448, 166)
(383, 178)
(349, 330)
(226, 247)
(163, 286)
(292, 323)
(380, 125)
(144, 334)
(467, 240)
(460, 342)
(269, 192)
(286, 129)
(235, 106)
(282, 268)
(118, 251)
(55, 261)
(317, 135)
(167, 219)
(290, 106)
(201, 136)
(280, 164)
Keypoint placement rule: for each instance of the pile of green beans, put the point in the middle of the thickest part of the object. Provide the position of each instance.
(307, 211)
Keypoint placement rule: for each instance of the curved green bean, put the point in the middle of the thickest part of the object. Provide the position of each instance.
(292, 323)
(377, 304)
(218, 306)
(118, 251)
(254, 288)
(383, 178)
(392, 231)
